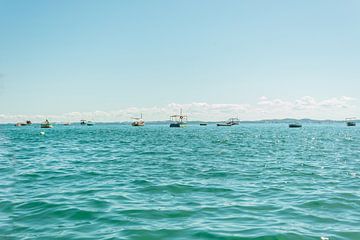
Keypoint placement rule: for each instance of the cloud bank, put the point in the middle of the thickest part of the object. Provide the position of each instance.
(335, 108)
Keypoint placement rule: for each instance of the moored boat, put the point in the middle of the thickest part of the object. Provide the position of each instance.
(203, 124)
(22, 124)
(295, 125)
(229, 122)
(178, 120)
(46, 124)
(138, 122)
(350, 122)
(83, 122)
(89, 123)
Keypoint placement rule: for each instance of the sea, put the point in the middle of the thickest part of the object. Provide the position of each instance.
(114, 181)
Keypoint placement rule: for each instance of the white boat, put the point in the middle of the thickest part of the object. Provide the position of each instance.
(138, 122)
(178, 120)
(21, 124)
(89, 123)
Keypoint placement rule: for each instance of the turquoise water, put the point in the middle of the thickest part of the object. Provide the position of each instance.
(252, 181)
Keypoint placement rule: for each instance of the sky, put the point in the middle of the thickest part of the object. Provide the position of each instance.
(112, 60)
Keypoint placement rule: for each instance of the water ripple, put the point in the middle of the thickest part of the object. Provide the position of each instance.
(253, 181)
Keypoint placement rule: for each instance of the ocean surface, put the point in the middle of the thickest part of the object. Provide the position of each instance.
(112, 181)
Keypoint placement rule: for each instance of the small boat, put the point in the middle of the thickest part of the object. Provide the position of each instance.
(223, 125)
(66, 124)
(83, 122)
(22, 124)
(350, 122)
(46, 124)
(89, 123)
(178, 120)
(139, 122)
(203, 124)
(295, 125)
(230, 122)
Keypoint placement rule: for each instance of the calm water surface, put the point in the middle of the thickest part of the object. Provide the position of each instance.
(252, 181)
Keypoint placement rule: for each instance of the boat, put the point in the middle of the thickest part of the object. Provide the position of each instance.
(350, 122)
(178, 120)
(66, 124)
(89, 123)
(83, 122)
(295, 125)
(46, 124)
(229, 122)
(22, 124)
(138, 122)
(203, 124)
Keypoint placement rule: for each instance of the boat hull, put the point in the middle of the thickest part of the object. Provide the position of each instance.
(351, 124)
(223, 125)
(295, 125)
(137, 124)
(177, 125)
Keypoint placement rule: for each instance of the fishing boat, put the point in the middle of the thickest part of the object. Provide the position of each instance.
(46, 124)
(350, 122)
(229, 122)
(178, 120)
(295, 125)
(138, 122)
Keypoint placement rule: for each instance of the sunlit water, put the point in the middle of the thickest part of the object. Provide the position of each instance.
(108, 181)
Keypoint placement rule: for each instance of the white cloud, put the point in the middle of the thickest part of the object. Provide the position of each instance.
(266, 108)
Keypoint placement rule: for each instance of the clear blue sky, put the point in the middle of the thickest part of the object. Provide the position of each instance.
(72, 55)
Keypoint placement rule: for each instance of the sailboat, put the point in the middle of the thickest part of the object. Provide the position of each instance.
(138, 122)
(178, 120)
